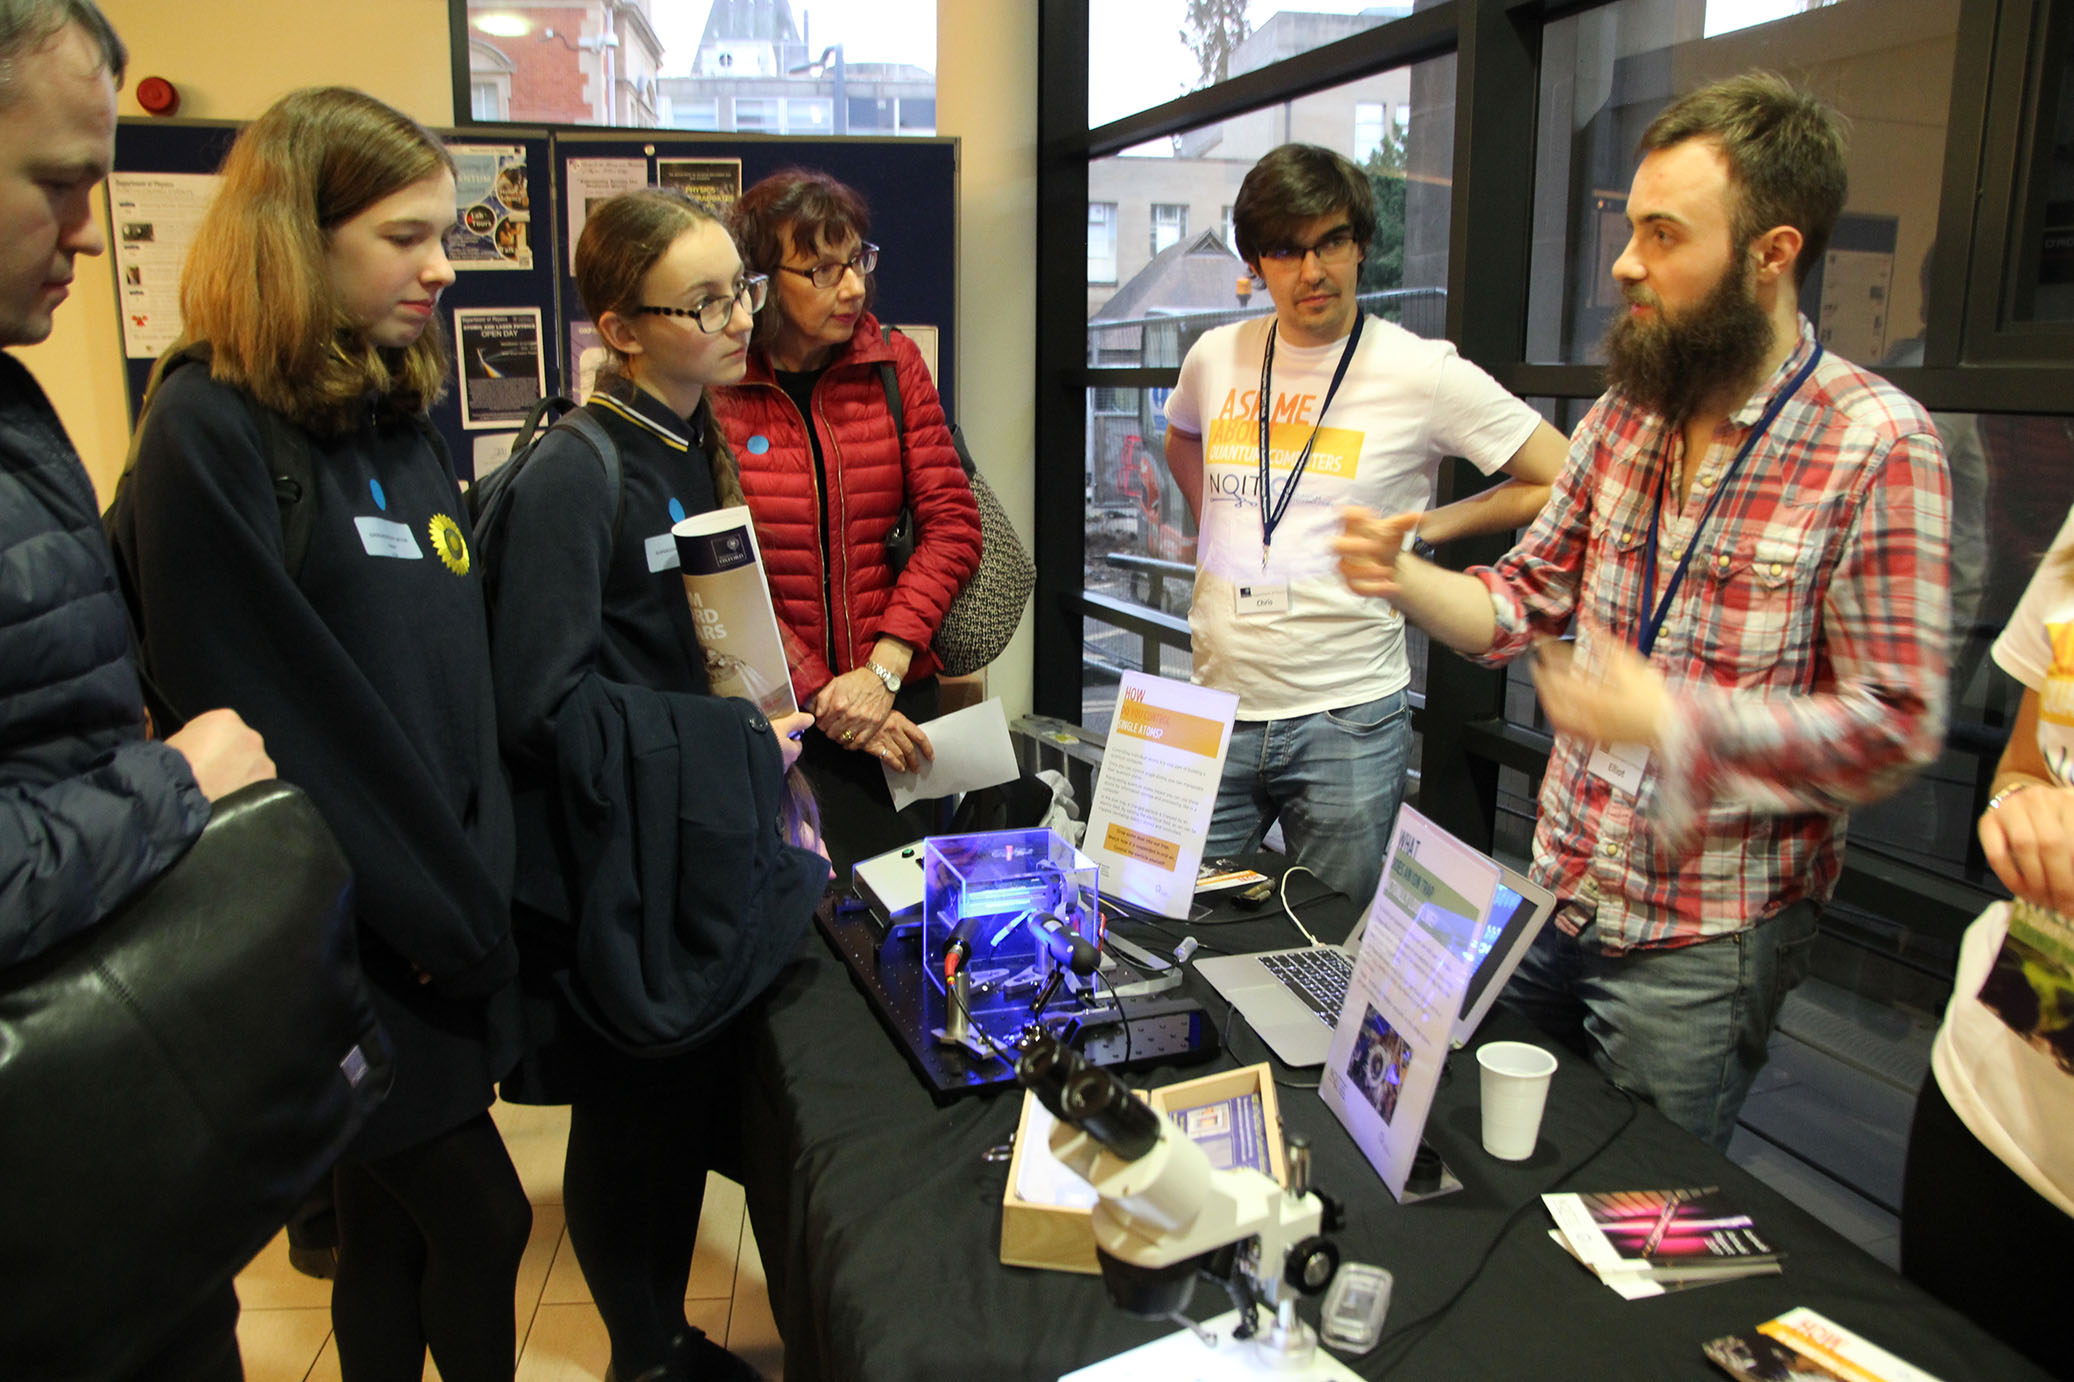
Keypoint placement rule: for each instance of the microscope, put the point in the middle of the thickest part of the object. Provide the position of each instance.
(1167, 1215)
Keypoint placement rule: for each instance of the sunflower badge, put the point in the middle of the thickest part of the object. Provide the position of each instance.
(449, 542)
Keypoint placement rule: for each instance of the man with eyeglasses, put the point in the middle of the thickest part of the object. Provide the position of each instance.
(1277, 424)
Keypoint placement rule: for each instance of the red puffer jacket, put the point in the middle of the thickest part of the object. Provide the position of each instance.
(836, 602)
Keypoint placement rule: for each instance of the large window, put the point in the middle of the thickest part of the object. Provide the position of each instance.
(2042, 279)
(819, 68)
(1605, 74)
(1144, 52)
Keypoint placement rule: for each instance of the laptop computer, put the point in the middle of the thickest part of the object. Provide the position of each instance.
(1292, 998)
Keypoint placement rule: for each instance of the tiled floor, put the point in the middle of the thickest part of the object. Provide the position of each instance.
(285, 1329)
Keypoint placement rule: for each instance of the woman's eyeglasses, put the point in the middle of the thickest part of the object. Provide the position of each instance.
(713, 313)
(828, 275)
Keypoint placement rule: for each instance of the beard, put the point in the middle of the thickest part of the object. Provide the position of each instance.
(1673, 364)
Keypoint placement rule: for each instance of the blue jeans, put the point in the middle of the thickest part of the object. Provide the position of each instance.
(1685, 1028)
(1334, 779)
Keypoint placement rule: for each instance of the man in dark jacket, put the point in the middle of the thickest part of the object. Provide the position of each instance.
(90, 808)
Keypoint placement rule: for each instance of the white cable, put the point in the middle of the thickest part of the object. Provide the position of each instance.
(1289, 911)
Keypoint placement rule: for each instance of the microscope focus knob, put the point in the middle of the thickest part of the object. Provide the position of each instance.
(1312, 1265)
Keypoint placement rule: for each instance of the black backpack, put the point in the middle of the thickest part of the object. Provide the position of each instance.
(489, 499)
(287, 449)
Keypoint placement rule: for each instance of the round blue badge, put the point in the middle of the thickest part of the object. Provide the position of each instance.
(381, 500)
(676, 510)
(759, 444)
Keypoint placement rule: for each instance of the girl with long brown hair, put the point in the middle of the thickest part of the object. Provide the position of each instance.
(591, 627)
(360, 650)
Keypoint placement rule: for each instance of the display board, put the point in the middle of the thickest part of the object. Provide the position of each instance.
(910, 186)
(513, 305)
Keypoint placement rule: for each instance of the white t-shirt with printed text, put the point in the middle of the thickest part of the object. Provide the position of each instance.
(2008, 1093)
(1405, 404)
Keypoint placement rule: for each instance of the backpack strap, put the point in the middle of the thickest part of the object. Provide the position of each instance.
(891, 384)
(283, 445)
(585, 425)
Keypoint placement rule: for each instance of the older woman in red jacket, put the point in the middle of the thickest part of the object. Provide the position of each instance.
(826, 473)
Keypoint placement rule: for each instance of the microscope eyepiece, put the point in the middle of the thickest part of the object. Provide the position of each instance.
(1098, 1103)
(1044, 1067)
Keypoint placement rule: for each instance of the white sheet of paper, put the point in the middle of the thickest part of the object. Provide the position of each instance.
(1042, 1178)
(1393, 1034)
(972, 751)
(1157, 788)
(1181, 1357)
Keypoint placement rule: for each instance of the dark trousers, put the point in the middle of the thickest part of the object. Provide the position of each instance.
(1981, 1240)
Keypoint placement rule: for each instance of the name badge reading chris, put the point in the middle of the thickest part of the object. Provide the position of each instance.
(1620, 764)
(384, 537)
(662, 553)
(1262, 599)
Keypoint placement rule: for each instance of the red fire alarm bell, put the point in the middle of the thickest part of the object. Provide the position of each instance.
(158, 96)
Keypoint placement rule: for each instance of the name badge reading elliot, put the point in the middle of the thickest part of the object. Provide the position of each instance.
(1622, 765)
(384, 537)
(1262, 599)
(662, 553)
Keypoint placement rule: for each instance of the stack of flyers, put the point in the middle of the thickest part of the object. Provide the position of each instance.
(1645, 1242)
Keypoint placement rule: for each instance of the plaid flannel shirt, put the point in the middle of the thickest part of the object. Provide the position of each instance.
(1804, 652)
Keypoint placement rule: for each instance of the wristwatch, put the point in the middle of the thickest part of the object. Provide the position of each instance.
(886, 675)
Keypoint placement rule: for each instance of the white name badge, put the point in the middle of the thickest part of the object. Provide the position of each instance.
(662, 552)
(384, 537)
(1620, 764)
(1261, 599)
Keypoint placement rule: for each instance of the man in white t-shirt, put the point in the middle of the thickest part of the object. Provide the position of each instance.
(1360, 411)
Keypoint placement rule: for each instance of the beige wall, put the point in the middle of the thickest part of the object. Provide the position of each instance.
(232, 58)
(986, 95)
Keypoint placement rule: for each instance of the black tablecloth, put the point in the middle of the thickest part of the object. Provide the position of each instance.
(879, 1220)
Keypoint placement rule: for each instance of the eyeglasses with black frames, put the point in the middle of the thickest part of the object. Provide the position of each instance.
(828, 275)
(1335, 248)
(712, 314)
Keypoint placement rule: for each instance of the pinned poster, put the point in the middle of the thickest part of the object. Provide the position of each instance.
(1158, 785)
(1394, 1034)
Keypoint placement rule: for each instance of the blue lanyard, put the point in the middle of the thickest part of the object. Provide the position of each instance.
(1272, 519)
(1652, 625)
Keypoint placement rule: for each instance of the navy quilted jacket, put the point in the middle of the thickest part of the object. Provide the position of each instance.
(90, 810)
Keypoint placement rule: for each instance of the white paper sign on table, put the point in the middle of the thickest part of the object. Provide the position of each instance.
(1393, 1035)
(1157, 788)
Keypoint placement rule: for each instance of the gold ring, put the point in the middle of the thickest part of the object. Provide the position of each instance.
(848, 735)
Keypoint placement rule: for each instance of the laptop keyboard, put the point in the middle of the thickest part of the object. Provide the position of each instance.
(1318, 976)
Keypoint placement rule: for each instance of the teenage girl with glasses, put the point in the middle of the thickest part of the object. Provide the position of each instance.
(589, 610)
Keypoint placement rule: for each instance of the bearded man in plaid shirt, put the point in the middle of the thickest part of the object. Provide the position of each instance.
(1752, 536)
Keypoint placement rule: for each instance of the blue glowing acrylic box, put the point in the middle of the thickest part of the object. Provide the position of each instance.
(992, 886)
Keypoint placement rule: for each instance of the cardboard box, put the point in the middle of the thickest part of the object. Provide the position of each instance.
(1061, 1237)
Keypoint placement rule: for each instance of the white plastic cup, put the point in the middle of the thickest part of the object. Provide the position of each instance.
(1515, 1079)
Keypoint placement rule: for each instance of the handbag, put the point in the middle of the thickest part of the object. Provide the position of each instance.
(984, 615)
(173, 1080)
